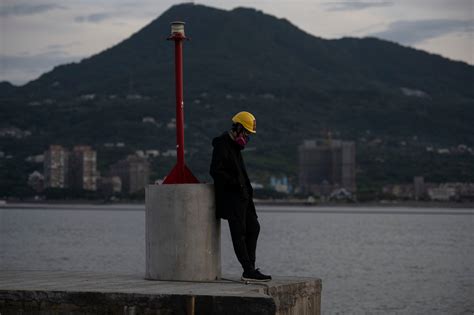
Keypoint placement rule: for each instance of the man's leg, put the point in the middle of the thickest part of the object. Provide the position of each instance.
(252, 231)
(251, 235)
(237, 232)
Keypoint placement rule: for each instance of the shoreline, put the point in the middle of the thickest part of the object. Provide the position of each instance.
(382, 203)
(259, 202)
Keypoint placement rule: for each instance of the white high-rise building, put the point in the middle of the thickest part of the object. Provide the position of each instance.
(56, 162)
(83, 168)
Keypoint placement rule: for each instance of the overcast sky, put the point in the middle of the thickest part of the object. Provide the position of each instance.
(36, 35)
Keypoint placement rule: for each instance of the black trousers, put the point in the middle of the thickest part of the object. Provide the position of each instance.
(244, 230)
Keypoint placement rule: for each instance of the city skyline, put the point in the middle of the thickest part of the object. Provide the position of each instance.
(76, 169)
(32, 43)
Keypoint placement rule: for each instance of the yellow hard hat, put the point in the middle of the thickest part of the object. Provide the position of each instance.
(247, 120)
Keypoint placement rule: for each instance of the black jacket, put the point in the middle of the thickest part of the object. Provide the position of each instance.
(231, 182)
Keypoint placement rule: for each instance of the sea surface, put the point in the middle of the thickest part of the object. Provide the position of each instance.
(372, 260)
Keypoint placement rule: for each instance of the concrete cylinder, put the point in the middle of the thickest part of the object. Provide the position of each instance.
(182, 233)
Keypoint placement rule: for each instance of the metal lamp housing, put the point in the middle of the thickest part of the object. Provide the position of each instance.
(177, 28)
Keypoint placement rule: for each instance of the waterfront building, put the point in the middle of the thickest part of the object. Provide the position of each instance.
(399, 191)
(326, 165)
(280, 184)
(83, 168)
(419, 187)
(442, 193)
(110, 185)
(36, 181)
(56, 161)
(134, 172)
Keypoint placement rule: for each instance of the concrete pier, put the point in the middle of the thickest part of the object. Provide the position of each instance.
(61, 292)
(183, 236)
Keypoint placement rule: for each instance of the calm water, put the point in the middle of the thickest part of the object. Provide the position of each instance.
(374, 260)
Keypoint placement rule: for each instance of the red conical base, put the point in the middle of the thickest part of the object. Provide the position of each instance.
(180, 175)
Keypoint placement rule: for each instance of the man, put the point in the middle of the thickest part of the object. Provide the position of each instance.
(234, 192)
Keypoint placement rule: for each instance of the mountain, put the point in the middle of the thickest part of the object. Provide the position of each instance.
(6, 88)
(299, 86)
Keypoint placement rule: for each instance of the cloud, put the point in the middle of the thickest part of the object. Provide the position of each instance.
(355, 5)
(27, 9)
(62, 47)
(92, 18)
(413, 32)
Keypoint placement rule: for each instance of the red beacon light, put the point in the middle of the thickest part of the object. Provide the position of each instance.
(180, 174)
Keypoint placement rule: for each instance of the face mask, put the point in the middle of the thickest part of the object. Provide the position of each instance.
(242, 140)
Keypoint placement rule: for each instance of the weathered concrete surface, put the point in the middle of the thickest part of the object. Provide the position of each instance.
(297, 298)
(47, 292)
(182, 233)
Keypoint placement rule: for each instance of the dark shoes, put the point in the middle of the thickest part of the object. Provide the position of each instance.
(255, 276)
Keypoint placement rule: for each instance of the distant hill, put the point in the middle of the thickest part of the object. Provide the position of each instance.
(6, 88)
(299, 86)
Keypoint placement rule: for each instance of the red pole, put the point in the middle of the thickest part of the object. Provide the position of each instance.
(180, 174)
(178, 55)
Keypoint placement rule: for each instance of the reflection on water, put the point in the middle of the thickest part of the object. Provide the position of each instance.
(376, 260)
